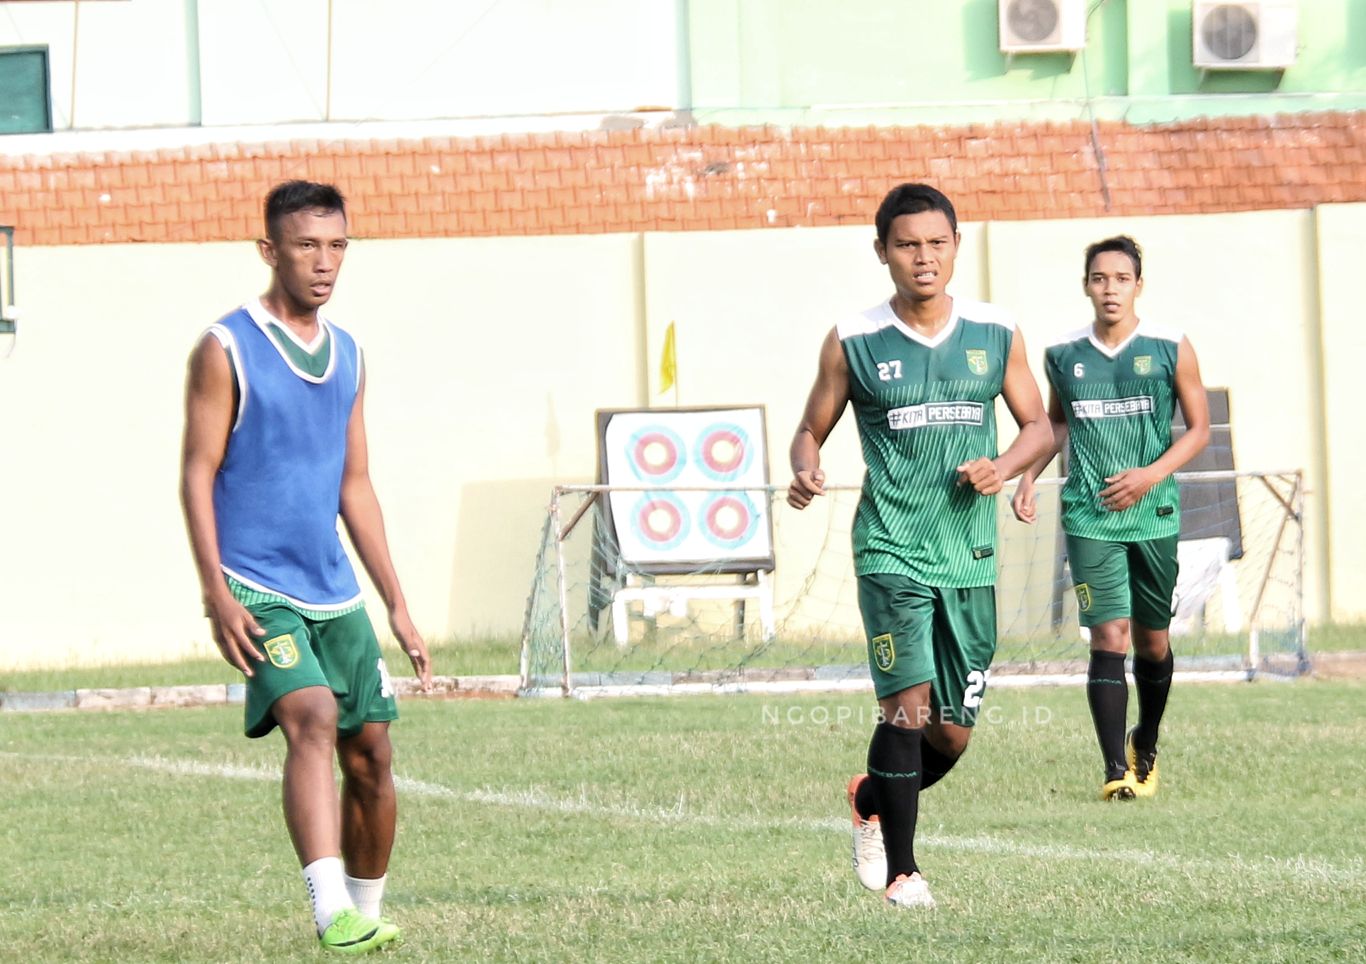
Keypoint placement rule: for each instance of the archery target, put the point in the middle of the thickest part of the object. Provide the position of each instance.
(656, 454)
(724, 452)
(660, 521)
(729, 519)
(686, 453)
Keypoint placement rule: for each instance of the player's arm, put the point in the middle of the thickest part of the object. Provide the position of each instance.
(1024, 504)
(1022, 397)
(824, 406)
(209, 406)
(1126, 488)
(365, 524)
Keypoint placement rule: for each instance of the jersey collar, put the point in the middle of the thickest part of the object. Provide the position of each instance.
(1106, 350)
(915, 336)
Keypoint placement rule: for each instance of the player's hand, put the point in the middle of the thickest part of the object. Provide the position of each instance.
(1025, 503)
(234, 630)
(1126, 488)
(805, 486)
(982, 474)
(413, 645)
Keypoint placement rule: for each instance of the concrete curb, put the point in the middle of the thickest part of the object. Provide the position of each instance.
(158, 697)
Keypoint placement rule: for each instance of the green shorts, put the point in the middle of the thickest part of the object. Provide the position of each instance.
(918, 633)
(1123, 580)
(341, 654)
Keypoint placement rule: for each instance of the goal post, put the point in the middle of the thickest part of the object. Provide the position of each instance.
(596, 625)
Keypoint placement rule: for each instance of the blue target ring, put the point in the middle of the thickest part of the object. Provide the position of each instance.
(723, 452)
(656, 454)
(660, 521)
(729, 519)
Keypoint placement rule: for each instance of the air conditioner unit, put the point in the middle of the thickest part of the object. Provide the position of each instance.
(1253, 35)
(1042, 26)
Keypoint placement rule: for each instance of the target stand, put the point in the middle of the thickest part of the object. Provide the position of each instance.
(684, 515)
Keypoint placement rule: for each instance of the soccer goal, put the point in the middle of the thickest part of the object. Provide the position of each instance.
(598, 624)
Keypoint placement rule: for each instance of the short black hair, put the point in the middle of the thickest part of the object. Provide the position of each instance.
(290, 196)
(912, 199)
(1121, 243)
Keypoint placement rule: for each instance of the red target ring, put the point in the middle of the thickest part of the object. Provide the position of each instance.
(654, 454)
(659, 521)
(723, 451)
(728, 518)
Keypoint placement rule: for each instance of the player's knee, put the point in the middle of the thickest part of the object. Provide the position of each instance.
(1111, 636)
(367, 758)
(952, 741)
(308, 718)
(1151, 644)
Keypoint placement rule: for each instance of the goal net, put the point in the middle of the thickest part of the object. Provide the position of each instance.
(598, 624)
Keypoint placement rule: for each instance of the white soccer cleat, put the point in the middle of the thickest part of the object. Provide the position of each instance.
(870, 856)
(910, 891)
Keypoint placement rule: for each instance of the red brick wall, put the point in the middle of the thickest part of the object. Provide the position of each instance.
(690, 178)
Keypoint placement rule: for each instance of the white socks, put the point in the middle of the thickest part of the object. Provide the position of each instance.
(367, 894)
(327, 887)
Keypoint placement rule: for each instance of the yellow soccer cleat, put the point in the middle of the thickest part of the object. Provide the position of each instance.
(1125, 788)
(1143, 766)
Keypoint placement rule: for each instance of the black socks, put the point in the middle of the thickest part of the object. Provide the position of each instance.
(894, 771)
(1153, 681)
(1108, 693)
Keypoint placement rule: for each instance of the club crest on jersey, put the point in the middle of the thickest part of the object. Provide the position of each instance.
(884, 652)
(1083, 597)
(977, 361)
(1143, 364)
(282, 652)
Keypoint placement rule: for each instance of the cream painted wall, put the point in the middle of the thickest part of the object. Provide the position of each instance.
(1342, 246)
(487, 358)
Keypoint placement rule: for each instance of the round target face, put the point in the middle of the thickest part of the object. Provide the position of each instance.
(656, 454)
(729, 519)
(724, 452)
(660, 521)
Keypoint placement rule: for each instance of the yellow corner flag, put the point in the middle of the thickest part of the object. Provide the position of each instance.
(668, 362)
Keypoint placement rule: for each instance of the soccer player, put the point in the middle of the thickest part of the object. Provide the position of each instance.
(922, 371)
(1114, 384)
(274, 451)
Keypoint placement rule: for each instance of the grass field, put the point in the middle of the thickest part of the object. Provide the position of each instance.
(704, 828)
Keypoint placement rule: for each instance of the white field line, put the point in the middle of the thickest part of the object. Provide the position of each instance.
(1302, 869)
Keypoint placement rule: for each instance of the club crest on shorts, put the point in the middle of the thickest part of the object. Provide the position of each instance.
(281, 651)
(977, 361)
(1083, 597)
(884, 652)
(1143, 364)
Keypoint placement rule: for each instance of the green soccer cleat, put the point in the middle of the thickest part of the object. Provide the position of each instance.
(351, 932)
(1142, 765)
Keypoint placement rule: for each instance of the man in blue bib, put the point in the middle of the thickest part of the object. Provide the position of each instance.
(274, 453)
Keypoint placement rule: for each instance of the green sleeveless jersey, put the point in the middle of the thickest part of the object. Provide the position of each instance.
(924, 407)
(1118, 403)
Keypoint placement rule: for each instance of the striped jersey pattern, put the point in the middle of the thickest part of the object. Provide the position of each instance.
(1118, 403)
(924, 406)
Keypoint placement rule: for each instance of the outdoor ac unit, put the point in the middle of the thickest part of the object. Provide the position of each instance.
(1253, 35)
(1042, 26)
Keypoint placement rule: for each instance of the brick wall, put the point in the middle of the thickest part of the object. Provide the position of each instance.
(698, 178)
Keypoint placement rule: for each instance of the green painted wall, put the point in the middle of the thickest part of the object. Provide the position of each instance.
(928, 61)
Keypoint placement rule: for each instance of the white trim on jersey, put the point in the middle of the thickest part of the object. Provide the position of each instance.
(882, 316)
(263, 318)
(322, 608)
(1146, 329)
(229, 344)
